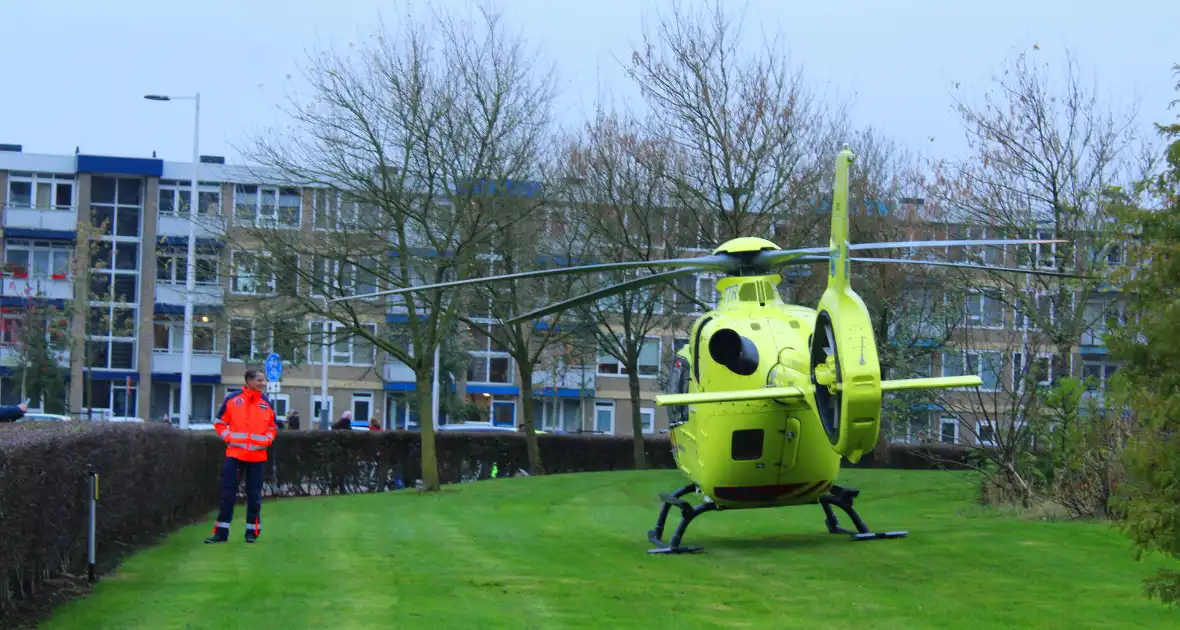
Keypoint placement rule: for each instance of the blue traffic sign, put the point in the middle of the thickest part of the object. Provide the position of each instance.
(274, 367)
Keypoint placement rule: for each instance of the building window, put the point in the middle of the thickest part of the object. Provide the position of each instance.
(1039, 372)
(604, 416)
(649, 361)
(985, 309)
(948, 430)
(250, 274)
(175, 196)
(340, 278)
(169, 335)
(42, 191)
(647, 419)
(344, 346)
(267, 206)
(171, 267)
(337, 211)
(38, 260)
(489, 361)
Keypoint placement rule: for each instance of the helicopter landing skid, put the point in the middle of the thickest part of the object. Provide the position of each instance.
(687, 514)
(842, 497)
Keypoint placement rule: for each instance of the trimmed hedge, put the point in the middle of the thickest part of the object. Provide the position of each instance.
(317, 462)
(152, 479)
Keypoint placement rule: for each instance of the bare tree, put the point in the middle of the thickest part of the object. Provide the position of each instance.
(540, 240)
(1043, 158)
(753, 143)
(618, 192)
(405, 137)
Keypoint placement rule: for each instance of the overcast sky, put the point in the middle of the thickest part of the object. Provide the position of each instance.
(77, 70)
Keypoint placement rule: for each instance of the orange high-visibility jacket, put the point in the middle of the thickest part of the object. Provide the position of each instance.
(246, 421)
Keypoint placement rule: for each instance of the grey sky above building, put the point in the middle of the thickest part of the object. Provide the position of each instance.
(77, 70)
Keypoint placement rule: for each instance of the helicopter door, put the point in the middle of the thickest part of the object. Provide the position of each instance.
(790, 441)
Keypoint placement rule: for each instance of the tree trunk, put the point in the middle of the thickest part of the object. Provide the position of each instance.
(637, 421)
(528, 413)
(426, 429)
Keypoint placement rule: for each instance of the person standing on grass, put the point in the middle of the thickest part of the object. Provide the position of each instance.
(246, 421)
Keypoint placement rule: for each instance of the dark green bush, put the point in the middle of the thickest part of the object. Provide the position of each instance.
(152, 479)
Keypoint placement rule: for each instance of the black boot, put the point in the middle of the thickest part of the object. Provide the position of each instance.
(251, 537)
(220, 533)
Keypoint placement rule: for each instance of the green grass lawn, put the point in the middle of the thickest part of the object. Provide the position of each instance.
(570, 551)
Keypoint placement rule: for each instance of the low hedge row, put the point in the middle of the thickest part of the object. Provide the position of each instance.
(152, 479)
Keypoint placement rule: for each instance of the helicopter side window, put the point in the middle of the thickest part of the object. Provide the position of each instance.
(747, 444)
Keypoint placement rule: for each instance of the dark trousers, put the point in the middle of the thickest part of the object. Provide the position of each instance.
(231, 476)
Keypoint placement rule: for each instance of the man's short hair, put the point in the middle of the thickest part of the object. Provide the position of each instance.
(251, 373)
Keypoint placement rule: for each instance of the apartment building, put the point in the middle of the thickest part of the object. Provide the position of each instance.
(124, 352)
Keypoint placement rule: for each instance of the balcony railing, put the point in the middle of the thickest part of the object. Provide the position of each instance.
(12, 356)
(398, 372)
(570, 377)
(204, 294)
(48, 287)
(57, 219)
(168, 362)
(208, 226)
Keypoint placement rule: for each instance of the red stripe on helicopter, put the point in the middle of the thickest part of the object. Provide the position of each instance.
(819, 485)
(756, 493)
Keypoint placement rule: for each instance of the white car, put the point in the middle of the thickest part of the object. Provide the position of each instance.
(36, 416)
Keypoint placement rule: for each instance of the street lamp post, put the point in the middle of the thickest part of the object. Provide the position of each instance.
(190, 271)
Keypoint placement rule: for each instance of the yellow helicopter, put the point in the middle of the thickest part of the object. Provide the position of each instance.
(768, 396)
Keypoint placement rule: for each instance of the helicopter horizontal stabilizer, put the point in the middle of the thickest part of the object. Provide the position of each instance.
(764, 393)
(938, 382)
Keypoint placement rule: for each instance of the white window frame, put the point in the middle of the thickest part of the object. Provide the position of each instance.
(285, 399)
(268, 200)
(176, 336)
(179, 190)
(53, 180)
(649, 425)
(329, 275)
(266, 287)
(363, 396)
(942, 422)
(487, 354)
(979, 426)
(315, 417)
(178, 270)
(57, 253)
(604, 405)
(1018, 370)
(318, 330)
(983, 297)
(606, 359)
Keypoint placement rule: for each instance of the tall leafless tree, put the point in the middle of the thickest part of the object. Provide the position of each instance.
(753, 141)
(1044, 154)
(407, 135)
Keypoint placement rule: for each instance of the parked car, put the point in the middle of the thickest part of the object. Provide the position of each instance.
(35, 416)
(482, 427)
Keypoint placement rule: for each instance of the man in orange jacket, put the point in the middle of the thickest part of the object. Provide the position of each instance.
(246, 421)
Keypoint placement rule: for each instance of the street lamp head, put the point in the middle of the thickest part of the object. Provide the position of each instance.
(157, 97)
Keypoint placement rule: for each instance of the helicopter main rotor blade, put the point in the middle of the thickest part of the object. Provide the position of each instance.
(709, 263)
(940, 263)
(614, 289)
(951, 243)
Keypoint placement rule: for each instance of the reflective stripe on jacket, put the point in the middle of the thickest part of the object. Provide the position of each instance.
(246, 421)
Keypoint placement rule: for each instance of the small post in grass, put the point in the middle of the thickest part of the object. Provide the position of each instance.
(93, 518)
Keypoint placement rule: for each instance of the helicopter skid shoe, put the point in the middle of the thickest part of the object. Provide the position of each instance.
(687, 514)
(842, 498)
